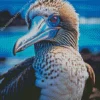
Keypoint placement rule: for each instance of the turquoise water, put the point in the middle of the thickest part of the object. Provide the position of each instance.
(89, 38)
(8, 37)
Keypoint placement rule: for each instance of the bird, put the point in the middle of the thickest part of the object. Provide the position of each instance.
(57, 71)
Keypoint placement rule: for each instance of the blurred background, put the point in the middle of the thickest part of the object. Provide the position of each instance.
(13, 26)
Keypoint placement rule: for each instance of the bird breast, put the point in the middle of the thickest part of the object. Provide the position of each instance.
(61, 74)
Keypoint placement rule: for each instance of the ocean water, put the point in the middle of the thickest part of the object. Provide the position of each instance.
(8, 37)
(90, 37)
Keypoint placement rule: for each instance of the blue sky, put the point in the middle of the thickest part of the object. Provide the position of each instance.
(86, 8)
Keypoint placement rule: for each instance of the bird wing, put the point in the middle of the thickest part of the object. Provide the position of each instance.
(19, 83)
(89, 83)
(91, 74)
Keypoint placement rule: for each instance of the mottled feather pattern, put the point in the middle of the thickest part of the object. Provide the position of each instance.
(60, 73)
(52, 3)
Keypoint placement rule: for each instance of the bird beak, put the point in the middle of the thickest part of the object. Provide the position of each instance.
(37, 33)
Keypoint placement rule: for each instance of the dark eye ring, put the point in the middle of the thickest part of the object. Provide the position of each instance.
(53, 20)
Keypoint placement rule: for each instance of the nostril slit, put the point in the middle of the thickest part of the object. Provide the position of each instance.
(23, 42)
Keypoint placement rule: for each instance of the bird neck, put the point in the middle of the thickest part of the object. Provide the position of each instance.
(68, 38)
(44, 45)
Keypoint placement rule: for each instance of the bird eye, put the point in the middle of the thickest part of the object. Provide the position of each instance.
(53, 21)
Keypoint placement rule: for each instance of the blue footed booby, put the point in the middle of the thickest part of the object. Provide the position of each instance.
(57, 71)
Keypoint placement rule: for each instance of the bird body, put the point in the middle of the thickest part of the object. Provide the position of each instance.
(58, 71)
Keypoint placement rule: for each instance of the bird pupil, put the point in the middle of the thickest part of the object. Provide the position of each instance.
(53, 19)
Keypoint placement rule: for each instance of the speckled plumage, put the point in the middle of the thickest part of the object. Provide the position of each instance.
(61, 73)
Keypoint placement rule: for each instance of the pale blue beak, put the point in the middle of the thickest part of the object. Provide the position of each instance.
(39, 31)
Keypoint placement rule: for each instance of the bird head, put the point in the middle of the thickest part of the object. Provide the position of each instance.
(53, 18)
